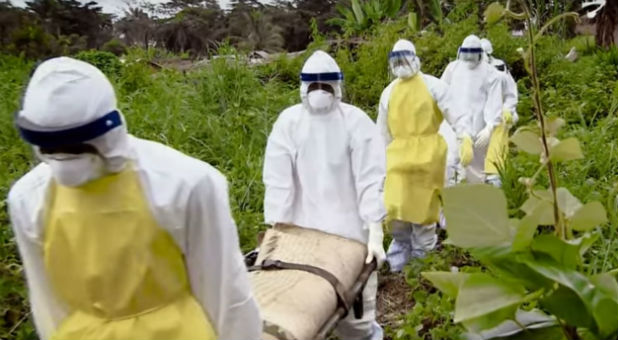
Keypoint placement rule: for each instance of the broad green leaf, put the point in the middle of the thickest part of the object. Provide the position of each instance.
(592, 214)
(567, 305)
(537, 325)
(530, 204)
(509, 266)
(605, 310)
(561, 251)
(566, 150)
(552, 141)
(553, 125)
(585, 242)
(494, 13)
(572, 301)
(525, 233)
(547, 333)
(527, 141)
(540, 210)
(567, 203)
(605, 303)
(491, 320)
(607, 283)
(481, 295)
(447, 282)
(476, 216)
(544, 194)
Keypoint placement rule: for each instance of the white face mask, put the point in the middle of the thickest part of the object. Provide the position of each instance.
(405, 69)
(75, 170)
(320, 101)
(472, 64)
(472, 60)
(404, 72)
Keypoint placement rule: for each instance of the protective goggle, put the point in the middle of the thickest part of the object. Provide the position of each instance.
(470, 53)
(400, 58)
(321, 77)
(71, 136)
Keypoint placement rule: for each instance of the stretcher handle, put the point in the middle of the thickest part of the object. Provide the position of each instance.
(341, 312)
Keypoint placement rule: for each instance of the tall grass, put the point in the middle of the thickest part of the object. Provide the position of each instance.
(223, 113)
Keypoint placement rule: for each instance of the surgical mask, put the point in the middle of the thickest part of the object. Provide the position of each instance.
(320, 101)
(75, 170)
(404, 67)
(405, 71)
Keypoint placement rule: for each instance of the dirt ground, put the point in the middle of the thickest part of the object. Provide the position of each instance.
(394, 300)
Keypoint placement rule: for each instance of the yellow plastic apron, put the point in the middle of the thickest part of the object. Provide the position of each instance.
(120, 273)
(497, 150)
(416, 158)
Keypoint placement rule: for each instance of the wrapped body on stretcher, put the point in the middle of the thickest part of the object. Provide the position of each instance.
(305, 281)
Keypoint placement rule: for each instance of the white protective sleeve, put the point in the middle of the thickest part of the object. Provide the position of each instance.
(278, 175)
(492, 111)
(369, 167)
(216, 268)
(382, 121)
(47, 311)
(447, 75)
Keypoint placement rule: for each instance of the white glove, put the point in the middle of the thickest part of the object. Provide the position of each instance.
(482, 138)
(375, 248)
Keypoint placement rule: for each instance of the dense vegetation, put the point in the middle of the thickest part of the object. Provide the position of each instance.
(223, 113)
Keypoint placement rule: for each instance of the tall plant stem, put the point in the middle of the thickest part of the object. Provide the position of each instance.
(559, 226)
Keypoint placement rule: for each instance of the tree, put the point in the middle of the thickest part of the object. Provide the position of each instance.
(70, 17)
(258, 31)
(607, 24)
(294, 17)
(193, 29)
(136, 27)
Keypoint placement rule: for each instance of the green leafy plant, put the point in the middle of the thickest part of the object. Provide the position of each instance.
(105, 61)
(536, 282)
(363, 15)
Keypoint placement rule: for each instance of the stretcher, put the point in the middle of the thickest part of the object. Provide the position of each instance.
(305, 281)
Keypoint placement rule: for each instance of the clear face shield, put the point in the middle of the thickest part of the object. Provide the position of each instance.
(403, 64)
(472, 56)
(320, 90)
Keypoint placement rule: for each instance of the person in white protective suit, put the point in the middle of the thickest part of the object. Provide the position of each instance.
(498, 145)
(476, 91)
(121, 238)
(323, 169)
(411, 110)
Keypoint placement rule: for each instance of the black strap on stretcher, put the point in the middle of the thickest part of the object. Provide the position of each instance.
(342, 297)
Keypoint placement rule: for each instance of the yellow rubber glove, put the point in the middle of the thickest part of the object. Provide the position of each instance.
(466, 152)
(507, 117)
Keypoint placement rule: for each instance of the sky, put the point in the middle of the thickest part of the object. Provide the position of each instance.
(117, 6)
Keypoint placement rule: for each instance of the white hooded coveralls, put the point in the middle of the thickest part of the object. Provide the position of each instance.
(325, 171)
(476, 93)
(187, 197)
(412, 240)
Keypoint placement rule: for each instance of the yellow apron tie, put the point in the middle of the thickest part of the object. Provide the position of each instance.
(416, 158)
(120, 273)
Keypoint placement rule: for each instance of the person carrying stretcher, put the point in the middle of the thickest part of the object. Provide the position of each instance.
(324, 169)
